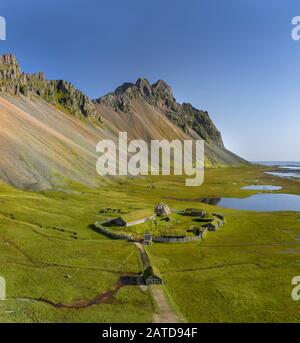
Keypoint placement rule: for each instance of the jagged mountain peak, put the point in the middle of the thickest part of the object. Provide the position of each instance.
(59, 93)
(160, 96)
(142, 87)
(8, 59)
(162, 88)
(40, 141)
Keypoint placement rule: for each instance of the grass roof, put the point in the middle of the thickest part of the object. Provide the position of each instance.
(151, 271)
(136, 215)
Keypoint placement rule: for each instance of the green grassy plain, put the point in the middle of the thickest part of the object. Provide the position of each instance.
(243, 272)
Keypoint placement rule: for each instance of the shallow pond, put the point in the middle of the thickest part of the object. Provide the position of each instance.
(262, 188)
(259, 202)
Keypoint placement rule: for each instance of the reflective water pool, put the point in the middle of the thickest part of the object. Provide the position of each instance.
(259, 202)
(262, 188)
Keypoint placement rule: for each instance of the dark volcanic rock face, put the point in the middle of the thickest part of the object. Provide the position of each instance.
(160, 96)
(10, 74)
(56, 92)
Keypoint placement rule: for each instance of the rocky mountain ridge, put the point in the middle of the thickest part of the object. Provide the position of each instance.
(56, 92)
(65, 96)
(160, 95)
(44, 142)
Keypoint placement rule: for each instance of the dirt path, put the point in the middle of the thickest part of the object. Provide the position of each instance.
(165, 313)
(144, 257)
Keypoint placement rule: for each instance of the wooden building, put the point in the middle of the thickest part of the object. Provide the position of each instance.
(134, 218)
(151, 277)
(147, 238)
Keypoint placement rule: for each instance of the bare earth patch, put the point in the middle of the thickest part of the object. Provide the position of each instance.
(165, 313)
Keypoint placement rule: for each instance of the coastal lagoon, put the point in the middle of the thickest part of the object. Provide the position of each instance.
(289, 170)
(259, 202)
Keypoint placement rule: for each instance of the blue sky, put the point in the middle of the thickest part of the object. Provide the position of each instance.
(234, 58)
